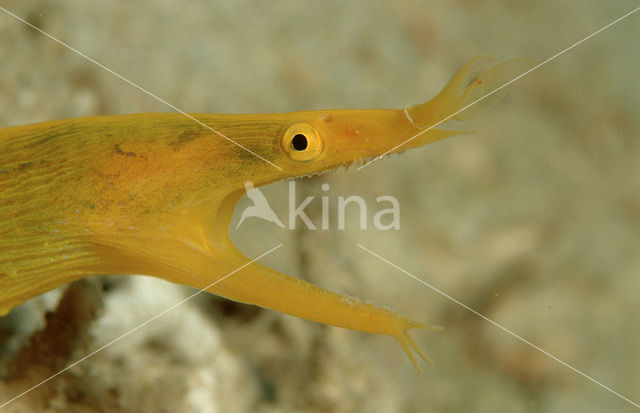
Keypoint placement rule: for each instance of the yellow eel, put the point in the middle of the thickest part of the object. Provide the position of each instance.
(154, 194)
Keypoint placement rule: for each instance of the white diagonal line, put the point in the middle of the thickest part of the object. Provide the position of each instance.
(500, 327)
(501, 87)
(138, 327)
(137, 86)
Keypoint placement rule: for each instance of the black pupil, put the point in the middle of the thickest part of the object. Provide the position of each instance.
(299, 142)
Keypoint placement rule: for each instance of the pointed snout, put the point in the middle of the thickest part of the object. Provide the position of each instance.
(360, 136)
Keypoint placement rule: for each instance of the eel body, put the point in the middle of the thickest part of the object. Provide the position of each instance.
(154, 194)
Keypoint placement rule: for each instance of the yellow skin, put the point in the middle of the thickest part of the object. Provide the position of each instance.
(154, 193)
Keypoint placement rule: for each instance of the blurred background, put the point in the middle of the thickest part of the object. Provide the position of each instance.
(533, 221)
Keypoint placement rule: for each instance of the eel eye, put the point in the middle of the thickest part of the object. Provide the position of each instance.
(301, 142)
